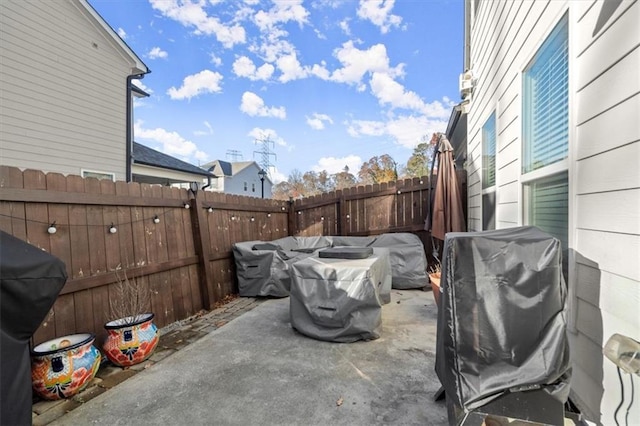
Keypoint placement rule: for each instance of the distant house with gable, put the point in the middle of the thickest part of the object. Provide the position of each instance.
(240, 178)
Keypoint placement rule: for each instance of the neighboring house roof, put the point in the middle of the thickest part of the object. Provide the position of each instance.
(241, 165)
(139, 67)
(150, 157)
(219, 168)
(138, 92)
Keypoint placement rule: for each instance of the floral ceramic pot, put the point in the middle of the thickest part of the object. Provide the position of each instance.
(130, 340)
(62, 367)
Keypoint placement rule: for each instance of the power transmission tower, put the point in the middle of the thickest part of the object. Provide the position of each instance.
(265, 153)
(234, 155)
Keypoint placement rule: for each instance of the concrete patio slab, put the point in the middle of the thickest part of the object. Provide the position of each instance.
(258, 370)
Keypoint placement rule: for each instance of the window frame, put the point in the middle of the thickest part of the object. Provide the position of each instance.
(107, 175)
(489, 190)
(528, 178)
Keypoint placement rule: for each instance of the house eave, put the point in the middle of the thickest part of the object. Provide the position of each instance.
(137, 66)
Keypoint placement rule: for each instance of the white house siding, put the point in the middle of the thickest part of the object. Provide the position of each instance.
(604, 174)
(62, 90)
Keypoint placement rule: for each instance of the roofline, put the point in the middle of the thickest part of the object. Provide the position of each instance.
(140, 67)
(139, 91)
(145, 163)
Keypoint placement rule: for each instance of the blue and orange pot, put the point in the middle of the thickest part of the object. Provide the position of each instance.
(130, 340)
(62, 367)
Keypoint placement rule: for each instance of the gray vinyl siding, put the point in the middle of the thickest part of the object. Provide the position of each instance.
(603, 166)
(63, 97)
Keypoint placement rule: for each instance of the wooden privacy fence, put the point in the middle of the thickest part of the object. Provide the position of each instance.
(184, 260)
(181, 255)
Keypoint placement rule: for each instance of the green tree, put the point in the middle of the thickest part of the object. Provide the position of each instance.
(378, 170)
(420, 161)
(344, 179)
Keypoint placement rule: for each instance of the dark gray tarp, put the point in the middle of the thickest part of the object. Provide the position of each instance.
(502, 316)
(30, 280)
(340, 300)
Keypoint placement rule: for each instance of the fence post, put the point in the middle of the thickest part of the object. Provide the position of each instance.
(201, 243)
(291, 218)
(342, 220)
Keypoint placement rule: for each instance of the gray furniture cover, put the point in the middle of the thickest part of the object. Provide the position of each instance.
(502, 316)
(340, 300)
(262, 267)
(30, 281)
(408, 261)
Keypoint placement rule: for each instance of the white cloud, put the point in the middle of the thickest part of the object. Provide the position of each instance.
(273, 45)
(389, 91)
(258, 134)
(205, 81)
(252, 2)
(282, 11)
(141, 85)
(344, 26)
(276, 176)
(156, 53)
(336, 165)
(316, 121)
(404, 130)
(122, 33)
(192, 14)
(357, 63)
(171, 143)
(244, 67)
(253, 105)
(215, 60)
(357, 128)
(379, 13)
(290, 68)
(209, 130)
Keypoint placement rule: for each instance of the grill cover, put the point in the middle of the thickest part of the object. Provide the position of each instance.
(340, 300)
(502, 317)
(30, 280)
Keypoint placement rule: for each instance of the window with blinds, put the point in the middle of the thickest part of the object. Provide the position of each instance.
(489, 152)
(549, 205)
(546, 102)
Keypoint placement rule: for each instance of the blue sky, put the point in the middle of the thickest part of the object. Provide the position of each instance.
(329, 82)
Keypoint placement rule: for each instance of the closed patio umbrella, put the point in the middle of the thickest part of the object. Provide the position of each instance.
(447, 213)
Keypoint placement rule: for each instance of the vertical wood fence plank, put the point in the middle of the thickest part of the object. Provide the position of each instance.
(36, 224)
(64, 307)
(112, 241)
(125, 228)
(13, 215)
(201, 242)
(78, 232)
(97, 230)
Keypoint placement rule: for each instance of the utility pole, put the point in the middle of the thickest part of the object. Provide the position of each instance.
(234, 155)
(265, 153)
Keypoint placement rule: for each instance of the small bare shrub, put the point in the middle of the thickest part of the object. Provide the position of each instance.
(131, 302)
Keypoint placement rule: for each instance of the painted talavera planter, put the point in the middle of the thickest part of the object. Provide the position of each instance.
(62, 367)
(130, 340)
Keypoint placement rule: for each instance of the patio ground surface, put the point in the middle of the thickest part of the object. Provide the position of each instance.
(257, 370)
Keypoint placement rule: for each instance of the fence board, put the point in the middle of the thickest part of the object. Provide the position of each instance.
(101, 310)
(125, 225)
(83, 313)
